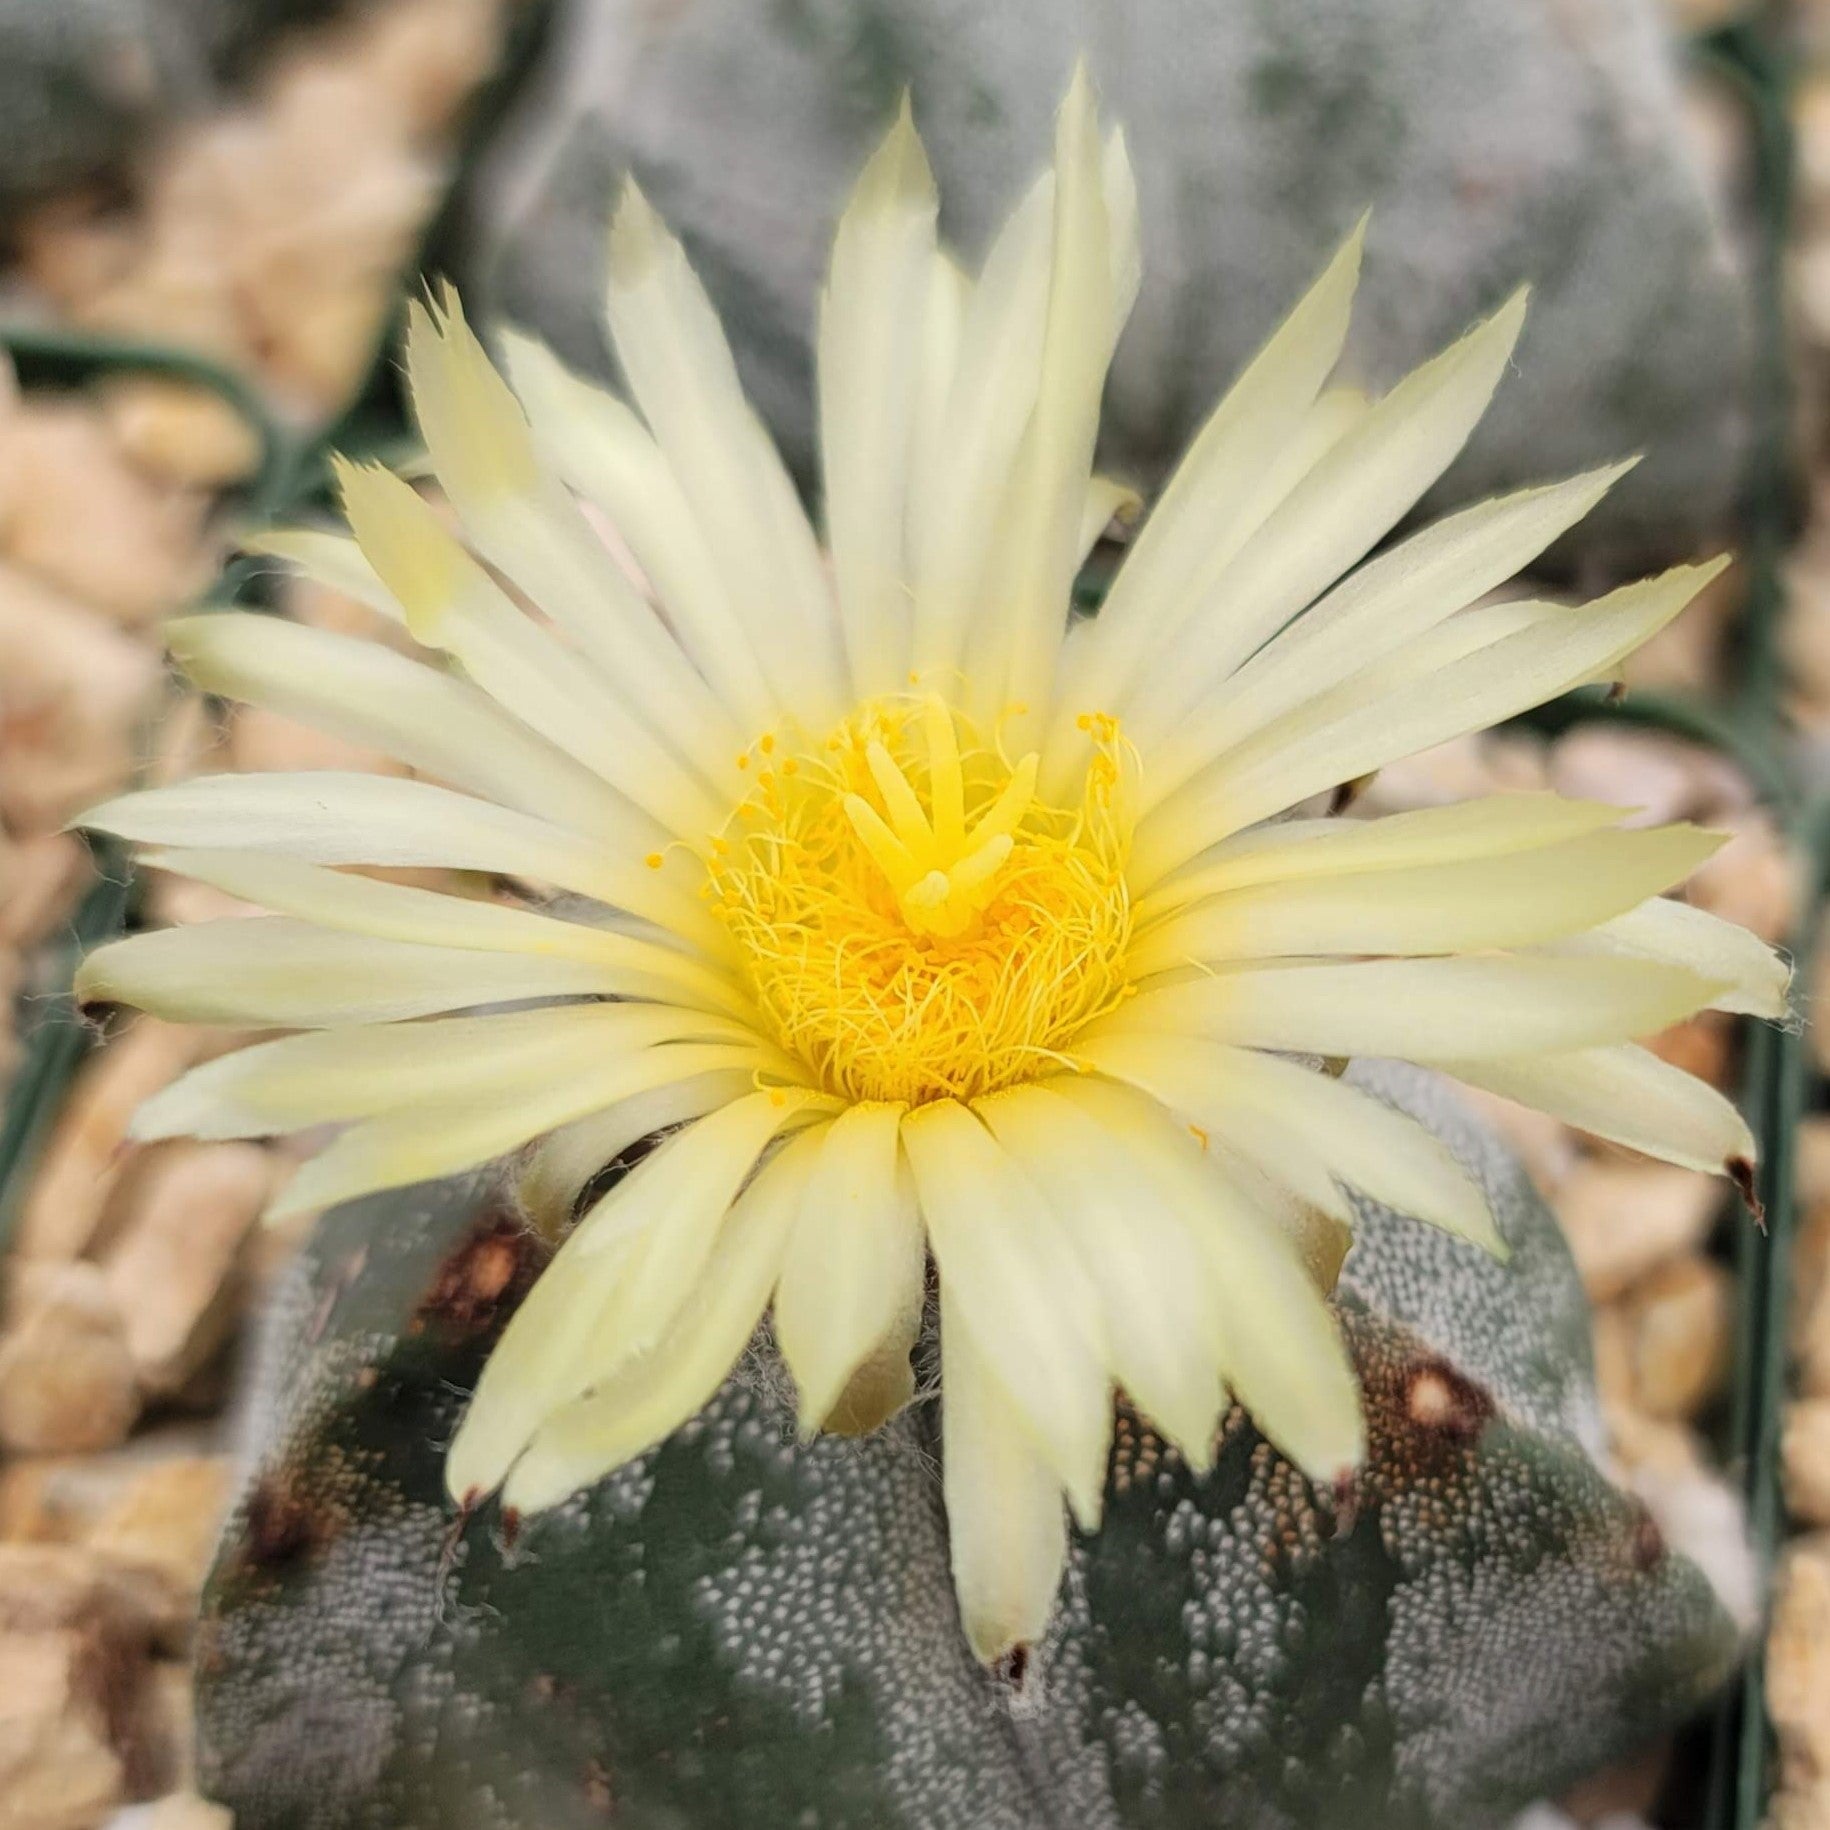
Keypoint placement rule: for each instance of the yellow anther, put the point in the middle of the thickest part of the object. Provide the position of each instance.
(654, 860)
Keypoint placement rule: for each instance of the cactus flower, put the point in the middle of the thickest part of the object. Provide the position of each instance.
(928, 924)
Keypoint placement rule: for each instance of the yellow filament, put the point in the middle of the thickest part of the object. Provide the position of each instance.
(916, 924)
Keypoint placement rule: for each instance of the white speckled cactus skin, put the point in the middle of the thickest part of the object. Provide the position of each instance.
(742, 1630)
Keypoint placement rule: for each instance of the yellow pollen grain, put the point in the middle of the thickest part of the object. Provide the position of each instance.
(905, 952)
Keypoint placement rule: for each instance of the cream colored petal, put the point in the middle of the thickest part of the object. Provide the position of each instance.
(1159, 1318)
(854, 1271)
(1013, 1281)
(1283, 1352)
(366, 693)
(1626, 1095)
(649, 1398)
(597, 443)
(1287, 1117)
(680, 371)
(944, 312)
(1019, 645)
(394, 911)
(995, 371)
(331, 1076)
(1361, 727)
(1289, 849)
(557, 1346)
(328, 816)
(329, 559)
(1197, 525)
(871, 318)
(1389, 601)
(1333, 517)
(1123, 231)
(520, 519)
(1005, 1527)
(453, 604)
(269, 972)
(1469, 905)
(1107, 500)
(1421, 1010)
(1757, 979)
(1237, 1131)
(419, 1142)
(562, 1165)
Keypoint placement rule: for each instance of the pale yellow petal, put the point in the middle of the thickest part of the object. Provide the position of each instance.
(680, 371)
(1107, 500)
(1159, 1317)
(854, 1269)
(329, 559)
(1365, 724)
(1283, 1352)
(395, 911)
(943, 316)
(1028, 1303)
(330, 1076)
(454, 605)
(270, 972)
(1351, 499)
(1005, 1526)
(562, 1165)
(650, 1397)
(1628, 1096)
(1756, 979)
(366, 693)
(995, 369)
(597, 443)
(520, 519)
(1469, 905)
(1378, 608)
(438, 1138)
(1197, 525)
(871, 316)
(1290, 849)
(1289, 1119)
(557, 1345)
(1017, 648)
(329, 816)
(1421, 1010)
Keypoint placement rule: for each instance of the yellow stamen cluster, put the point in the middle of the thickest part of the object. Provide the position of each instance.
(916, 923)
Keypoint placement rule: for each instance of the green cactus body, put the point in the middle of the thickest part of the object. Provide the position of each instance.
(740, 1629)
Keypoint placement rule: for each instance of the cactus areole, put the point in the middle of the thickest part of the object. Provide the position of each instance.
(939, 930)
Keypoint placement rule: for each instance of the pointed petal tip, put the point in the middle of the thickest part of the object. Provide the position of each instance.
(635, 232)
(1742, 1171)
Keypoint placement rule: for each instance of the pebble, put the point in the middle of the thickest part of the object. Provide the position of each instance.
(1798, 1661)
(66, 1375)
(82, 518)
(1806, 1448)
(74, 690)
(1625, 1219)
(1680, 1321)
(174, 1267)
(63, 1213)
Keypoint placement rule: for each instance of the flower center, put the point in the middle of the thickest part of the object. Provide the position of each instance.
(916, 923)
